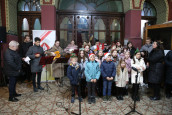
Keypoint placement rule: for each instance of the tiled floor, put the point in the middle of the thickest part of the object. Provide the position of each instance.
(57, 102)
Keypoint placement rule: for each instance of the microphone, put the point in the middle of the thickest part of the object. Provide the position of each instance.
(135, 69)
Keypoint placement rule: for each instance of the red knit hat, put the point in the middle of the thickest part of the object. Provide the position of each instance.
(106, 55)
(91, 54)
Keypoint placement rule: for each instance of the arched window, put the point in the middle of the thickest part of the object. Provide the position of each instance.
(29, 5)
(148, 10)
(91, 5)
(29, 17)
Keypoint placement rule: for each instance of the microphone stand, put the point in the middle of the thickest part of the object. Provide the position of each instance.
(133, 110)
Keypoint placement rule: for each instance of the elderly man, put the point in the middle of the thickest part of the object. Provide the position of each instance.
(12, 68)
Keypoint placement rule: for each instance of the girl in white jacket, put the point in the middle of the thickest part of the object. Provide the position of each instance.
(137, 64)
(121, 79)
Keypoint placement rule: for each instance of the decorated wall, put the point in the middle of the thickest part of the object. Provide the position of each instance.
(11, 15)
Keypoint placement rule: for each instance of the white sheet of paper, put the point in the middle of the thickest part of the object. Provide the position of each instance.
(27, 59)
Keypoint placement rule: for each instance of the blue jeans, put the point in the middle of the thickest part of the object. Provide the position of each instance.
(107, 85)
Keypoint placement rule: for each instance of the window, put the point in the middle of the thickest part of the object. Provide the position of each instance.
(29, 5)
(148, 9)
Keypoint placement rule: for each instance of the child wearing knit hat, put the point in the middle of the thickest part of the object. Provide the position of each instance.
(108, 71)
(73, 71)
(92, 74)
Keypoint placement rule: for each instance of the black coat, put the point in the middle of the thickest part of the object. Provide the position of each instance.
(24, 48)
(156, 66)
(12, 63)
(35, 66)
(168, 64)
(132, 52)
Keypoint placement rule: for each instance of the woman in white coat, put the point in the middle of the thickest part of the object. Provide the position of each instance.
(137, 64)
(121, 79)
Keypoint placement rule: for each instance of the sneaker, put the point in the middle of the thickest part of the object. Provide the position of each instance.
(80, 99)
(109, 98)
(41, 88)
(104, 98)
(72, 99)
(13, 99)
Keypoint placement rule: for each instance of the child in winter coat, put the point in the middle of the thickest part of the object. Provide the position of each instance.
(73, 73)
(108, 71)
(92, 74)
(138, 65)
(81, 60)
(121, 79)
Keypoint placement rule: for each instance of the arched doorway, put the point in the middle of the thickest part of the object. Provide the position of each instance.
(29, 17)
(84, 18)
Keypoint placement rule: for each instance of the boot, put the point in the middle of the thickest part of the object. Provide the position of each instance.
(41, 88)
(89, 100)
(72, 99)
(93, 99)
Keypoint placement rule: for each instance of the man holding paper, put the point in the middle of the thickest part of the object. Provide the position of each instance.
(35, 53)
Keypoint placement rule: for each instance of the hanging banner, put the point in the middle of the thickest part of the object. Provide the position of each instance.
(48, 38)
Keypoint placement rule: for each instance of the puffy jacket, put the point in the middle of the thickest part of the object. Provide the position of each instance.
(73, 74)
(92, 70)
(156, 66)
(12, 63)
(168, 64)
(108, 69)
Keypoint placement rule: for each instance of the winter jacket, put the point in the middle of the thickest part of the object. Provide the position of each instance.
(92, 70)
(138, 64)
(168, 64)
(24, 48)
(132, 52)
(73, 73)
(108, 69)
(146, 47)
(122, 79)
(12, 63)
(156, 66)
(33, 50)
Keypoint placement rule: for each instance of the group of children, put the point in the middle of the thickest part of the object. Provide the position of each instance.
(110, 67)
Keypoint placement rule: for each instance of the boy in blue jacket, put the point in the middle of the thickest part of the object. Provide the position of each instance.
(92, 74)
(73, 73)
(108, 71)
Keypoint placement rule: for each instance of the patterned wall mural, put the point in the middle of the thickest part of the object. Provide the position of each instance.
(11, 15)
